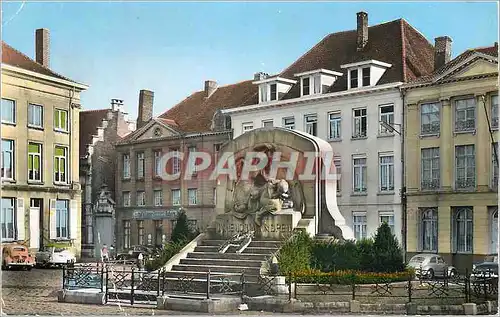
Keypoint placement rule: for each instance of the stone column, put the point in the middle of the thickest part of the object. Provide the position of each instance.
(446, 150)
(482, 146)
(444, 229)
(481, 230)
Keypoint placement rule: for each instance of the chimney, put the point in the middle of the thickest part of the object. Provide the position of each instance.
(42, 46)
(210, 87)
(145, 111)
(442, 51)
(362, 31)
(260, 76)
(116, 104)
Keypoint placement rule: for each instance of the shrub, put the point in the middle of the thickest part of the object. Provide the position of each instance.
(344, 277)
(168, 251)
(331, 256)
(366, 254)
(388, 253)
(182, 231)
(295, 254)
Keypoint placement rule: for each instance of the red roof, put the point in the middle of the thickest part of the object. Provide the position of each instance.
(90, 120)
(13, 57)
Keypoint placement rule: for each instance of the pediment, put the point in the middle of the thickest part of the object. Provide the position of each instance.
(157, 130)
(479, 67)
(477, 64)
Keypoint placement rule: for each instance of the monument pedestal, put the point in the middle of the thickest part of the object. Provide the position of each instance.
(273, 227)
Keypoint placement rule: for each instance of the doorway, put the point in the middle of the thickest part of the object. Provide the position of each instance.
(36, 223)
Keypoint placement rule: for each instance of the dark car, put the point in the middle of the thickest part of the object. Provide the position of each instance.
(133, 253)
(488, 269)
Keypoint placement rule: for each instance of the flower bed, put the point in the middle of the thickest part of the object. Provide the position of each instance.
(347, 277)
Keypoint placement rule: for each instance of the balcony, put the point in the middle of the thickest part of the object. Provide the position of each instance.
(465, 183)
(430, 128)
(430, 184)
(465, 125)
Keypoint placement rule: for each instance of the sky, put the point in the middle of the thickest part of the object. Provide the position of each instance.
(171, 48)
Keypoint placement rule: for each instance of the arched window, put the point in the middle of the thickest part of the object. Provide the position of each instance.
(463, 229)
(429, 234)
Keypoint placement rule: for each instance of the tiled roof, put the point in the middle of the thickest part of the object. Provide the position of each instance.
(395, 42)
(13, 57)
(90, 120)
(490, 50)
(195, 113)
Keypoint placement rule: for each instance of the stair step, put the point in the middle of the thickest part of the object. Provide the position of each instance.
(217, 269)
(227, 256)
(253, 250)
(254, 243)
(202, 276)
(221, 262)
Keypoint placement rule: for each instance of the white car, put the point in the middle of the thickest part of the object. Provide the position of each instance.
(54, 257)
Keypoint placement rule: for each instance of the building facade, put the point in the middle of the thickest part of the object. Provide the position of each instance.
(100, 131)
(41, 192)
(147, 205)
(341, 91)
(452, 158)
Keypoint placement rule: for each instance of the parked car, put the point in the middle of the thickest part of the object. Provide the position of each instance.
(486, 269)
(52, 256)
(16, 256)
(134, 251)
(430, 266)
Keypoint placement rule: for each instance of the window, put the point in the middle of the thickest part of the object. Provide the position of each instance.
(354, 78)
(494, 112)
(247, 126)
(335, 127)
(465, 166)
(176, 197)
(274, 91)
(263, 92)
(141, 198)
(359, 175)
(8, 111)
(7, 159)
(430, 119)
(386, 173)
(158, 232)
(35, 116)
(126, 234)
(430, 171)
(359, 225)
(267, 123)
(8, 218)
(158, 195)
(388, 218)
(311, 122)
(215, 196)
(62, 219)
(126, 199)
(126, 166)
(176, 167)
(61, 120)
(465, 115)
(306, 83)
(35, 162)
(462, 229)
(494, 163)
(60, 164)
(289, 123)
(140, 232)
(192, 196)
(360, 123)
(366, 76)
(387, 116)
(157, 157)
(429, 229)
(317, 84)
(338, 166)
(140, 165)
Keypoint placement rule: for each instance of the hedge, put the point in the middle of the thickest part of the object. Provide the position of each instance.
(348, 277)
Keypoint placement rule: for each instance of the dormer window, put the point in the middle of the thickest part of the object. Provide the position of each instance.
(317, 81)
(365, 74)
(271, 89)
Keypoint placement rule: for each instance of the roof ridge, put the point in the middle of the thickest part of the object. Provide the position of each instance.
(94, 110)
(34, 61)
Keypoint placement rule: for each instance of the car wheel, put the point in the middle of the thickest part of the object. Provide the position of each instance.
(29, 268)
(430, 274)
(4, 267)
(453, 274)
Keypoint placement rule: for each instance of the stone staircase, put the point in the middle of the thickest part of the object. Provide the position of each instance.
(190, 275)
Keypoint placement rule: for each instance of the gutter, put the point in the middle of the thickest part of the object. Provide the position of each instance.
(403, 179)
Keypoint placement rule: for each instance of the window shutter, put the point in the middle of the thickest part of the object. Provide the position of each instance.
(20, 217)
(52, 220)
(73, 219)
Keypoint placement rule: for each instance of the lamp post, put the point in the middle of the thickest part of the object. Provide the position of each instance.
(390, 127)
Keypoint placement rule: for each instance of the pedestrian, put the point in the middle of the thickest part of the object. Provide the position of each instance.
(139, 261)
(104, 253)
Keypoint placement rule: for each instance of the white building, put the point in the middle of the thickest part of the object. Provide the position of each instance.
(340, 91)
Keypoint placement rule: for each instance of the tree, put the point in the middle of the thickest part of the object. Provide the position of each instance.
(388, 254)
(181, 231)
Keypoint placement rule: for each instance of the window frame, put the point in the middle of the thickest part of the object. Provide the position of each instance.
(57, 113)
(246, 126)
(126, 166)
(381, 116)
(126, 198)
(334, 119)
(390, 214)
(12, 151)
(176, 161)
(12, 110)
(363, 226)
(12, 210)
(435, 129)
(287, 125)
(40, 158)
(364, 174)
(140, 232)
(338, 172)
(126, 234)
(428, 220)
(138, 201)
(176, 190)
(466, 167)
(273, 96)
(389, 166)
(140, 160)
(468, 219)
(359, 134)
(456, 128)
(435, 182)
(263, 89)
(158, 201)
(195, 201)
(304, 86)
(314, 124)
(66, 165)
(267, 121)
(363, 76)
(42, 110)
(64, 223)
(355, 79)
(157, 155)
(493, 106)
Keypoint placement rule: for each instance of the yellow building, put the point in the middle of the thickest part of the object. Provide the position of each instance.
(41, 196)
(451, 120)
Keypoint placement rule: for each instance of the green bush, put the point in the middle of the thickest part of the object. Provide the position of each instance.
(388, 253)
(295, 254)
(181, 231)
(347, 277)
(168, 251)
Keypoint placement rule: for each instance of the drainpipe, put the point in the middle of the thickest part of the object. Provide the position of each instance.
(403, 177)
